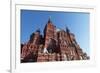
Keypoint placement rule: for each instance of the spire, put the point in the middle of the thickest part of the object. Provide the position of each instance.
(67, 30)
(38, 30)
(49, 21)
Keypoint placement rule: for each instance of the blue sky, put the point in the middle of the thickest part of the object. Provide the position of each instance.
(77, 22)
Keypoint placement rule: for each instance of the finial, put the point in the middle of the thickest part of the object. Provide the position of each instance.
(67, 30)
(38, 30)
(49, 21)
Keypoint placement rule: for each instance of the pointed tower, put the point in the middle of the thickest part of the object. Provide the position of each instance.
(49, 21)
(35, 37)
(49, 35)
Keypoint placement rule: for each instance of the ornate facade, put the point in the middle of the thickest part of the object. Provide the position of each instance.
(55, 45)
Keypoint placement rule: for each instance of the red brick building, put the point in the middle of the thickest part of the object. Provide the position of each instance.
(55, 45)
